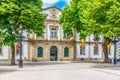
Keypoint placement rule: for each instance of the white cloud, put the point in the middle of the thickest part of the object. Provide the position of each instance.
(50, 1)
(67, 1)
(47, 3)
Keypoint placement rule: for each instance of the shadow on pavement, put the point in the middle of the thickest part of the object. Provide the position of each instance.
(35, 63)
(43, 63)
(106, 66)
(101, 65)
(3, 71)
(86, 61)
(115, 68)
(6, 64)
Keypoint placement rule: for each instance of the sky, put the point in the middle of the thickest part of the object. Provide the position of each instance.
(58, 3)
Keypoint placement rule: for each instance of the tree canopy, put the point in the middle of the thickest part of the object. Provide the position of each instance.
(14, 13)
(103, 17)
(17, 13)
(98, 17)
(70, 19)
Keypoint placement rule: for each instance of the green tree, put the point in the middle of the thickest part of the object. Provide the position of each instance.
(103, 19)
(99, 17)
(14, 13)
(70, 19)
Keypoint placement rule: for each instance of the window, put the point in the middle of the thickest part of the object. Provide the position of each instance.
(53, 33)
(1, 50)
(65, 36)
(53, 9)
(82, 50)
(66, 52)
(40, 52)
(53, 16)
(95, 51)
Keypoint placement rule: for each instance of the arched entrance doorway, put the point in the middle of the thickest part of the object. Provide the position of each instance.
(53, 53)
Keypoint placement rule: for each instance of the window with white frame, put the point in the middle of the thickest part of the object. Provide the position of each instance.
(96, 47)
(53, 32)
(96, 52)
(82, 50)
(65, 36)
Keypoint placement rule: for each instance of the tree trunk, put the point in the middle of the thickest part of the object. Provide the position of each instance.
(13, 55)
(105, 50)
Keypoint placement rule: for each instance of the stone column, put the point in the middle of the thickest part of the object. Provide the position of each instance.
(45, 32)
(29, 51)
(58, 32)
(60, 52)
(48, 32)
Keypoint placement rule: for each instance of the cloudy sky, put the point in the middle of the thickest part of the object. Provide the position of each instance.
(57, 3)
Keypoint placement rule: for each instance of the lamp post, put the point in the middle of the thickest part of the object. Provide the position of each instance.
(115, 40)
(20, 60)
(20, 46)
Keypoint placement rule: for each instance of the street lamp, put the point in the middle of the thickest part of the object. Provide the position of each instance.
(115, 40)
(20, 60)
(20, 37)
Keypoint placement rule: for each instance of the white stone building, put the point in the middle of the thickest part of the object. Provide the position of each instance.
(54, 45)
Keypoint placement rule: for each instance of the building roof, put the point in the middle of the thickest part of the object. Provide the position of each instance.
(52, 7)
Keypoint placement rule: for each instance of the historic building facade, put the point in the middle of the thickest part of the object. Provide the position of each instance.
(55, 45)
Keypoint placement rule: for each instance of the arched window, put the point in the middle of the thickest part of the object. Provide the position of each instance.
(40, 52)
(66, 52)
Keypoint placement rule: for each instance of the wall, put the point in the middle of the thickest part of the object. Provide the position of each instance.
(4, 52)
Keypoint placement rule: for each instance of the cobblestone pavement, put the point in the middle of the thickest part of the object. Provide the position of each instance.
(60, 71)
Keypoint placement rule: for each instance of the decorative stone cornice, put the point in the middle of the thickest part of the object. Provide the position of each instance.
(52, 7)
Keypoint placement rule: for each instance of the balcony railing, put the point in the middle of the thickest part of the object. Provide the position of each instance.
(40, 38)
(66, 38)
(53, 38)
